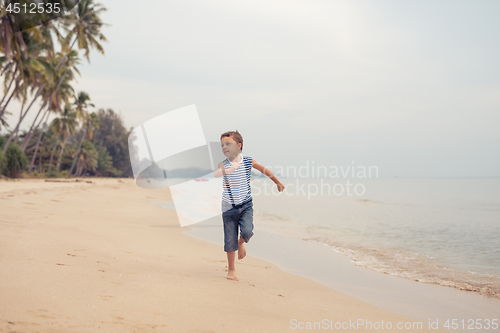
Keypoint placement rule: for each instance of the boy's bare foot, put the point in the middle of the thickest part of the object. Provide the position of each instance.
(242, 252)
(231, 275)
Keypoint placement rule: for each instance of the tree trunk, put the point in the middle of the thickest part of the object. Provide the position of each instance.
(60, 81)
(32, 130)
(79, 168)
(32, 164)
(7, 103)
(62, 150)
(17, 127)
(44, 104)
(52, 154)
(25, 142)
(77, 152)
(21, 118)
(10, 84)
(7, 67)
(28, 136)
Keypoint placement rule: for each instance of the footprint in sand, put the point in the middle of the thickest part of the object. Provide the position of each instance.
(106, 297)
(213, 260)
(41, 313)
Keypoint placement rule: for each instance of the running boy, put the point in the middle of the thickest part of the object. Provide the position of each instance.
(237, 206)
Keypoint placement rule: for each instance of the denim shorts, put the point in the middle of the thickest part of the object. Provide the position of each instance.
(234, 216)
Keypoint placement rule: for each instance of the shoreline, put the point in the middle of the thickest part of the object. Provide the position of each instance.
(319, 263)
(77, 257)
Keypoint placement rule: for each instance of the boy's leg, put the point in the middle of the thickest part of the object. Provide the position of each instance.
(231, 270)
(246, 229)
(242, 251)
(230, 221)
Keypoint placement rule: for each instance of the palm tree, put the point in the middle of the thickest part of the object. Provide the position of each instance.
(3, 122)
(63, 125)
(54, 106)
(43, 151)
(86, 25)
(25, 56)
(13, 43)
(49, 90)
(87, 158)
(14, 47)
(35, 152)
(10, 76)
(10, 39)
(49, 141)
(29, 74)
(52, 92)
(89, 121)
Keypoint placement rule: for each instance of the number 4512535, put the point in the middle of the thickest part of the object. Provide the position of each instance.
(471, 324)
(34, 8)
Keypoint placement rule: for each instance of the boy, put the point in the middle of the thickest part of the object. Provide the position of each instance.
(237, 206)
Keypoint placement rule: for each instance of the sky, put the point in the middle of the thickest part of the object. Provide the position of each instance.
(412, 87)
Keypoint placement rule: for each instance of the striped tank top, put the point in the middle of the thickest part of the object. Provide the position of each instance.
(236, 185)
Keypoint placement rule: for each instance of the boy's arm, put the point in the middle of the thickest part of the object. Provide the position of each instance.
(268, 173)
(222, 171)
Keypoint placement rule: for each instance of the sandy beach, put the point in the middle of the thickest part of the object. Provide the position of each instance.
(97, 255)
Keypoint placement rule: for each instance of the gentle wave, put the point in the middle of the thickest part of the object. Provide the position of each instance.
(393, 261)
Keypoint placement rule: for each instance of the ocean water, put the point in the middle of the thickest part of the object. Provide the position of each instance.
(442, 231)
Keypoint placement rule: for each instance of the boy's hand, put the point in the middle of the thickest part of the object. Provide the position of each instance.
(235, 166)
(281, 187)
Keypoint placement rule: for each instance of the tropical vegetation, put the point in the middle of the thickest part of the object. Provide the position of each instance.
(39, 66)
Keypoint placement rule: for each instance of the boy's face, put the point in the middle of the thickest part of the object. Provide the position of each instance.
(229, 146)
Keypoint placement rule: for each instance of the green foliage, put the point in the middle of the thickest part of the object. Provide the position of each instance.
(64, 174)
(104, 153)
(90, 156)
(3, 158)
(16, 160)
(51, 174)
(113, 136)
(3, 162)
(105, 163)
